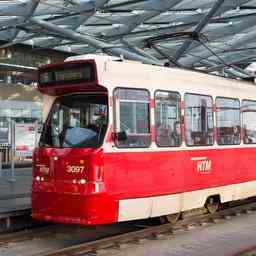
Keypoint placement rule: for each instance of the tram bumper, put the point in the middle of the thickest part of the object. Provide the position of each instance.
(73, 207)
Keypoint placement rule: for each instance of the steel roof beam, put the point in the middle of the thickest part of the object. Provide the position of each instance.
(124, 3)
(141, 17)
(237, 27)
(237, 72)
(14, 8)
(247, 37)
(105, 47)
(34, 4)
(185, 26)
(165, 55)
(22, 11)
(233, 70)
(157, 7)
(199, 28)
(234, 62)
(228, 58)
(72, 21)
(137, 50)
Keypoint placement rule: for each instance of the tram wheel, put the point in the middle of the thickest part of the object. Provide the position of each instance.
(173, 218)
(212, 205)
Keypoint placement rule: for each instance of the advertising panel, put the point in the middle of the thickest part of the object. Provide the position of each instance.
(25, 139)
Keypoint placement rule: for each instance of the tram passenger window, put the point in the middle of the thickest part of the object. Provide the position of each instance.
(228, 121)
(168, 130)
(198, 120)
(132, 117)
(249, 121)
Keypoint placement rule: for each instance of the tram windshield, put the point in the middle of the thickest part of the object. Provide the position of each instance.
(76, 121)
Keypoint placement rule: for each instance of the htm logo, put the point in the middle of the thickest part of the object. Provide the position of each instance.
(203, 165)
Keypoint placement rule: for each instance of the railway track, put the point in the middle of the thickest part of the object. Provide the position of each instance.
(51, 231)
(154, 232)
(58, 235)
(28, 234)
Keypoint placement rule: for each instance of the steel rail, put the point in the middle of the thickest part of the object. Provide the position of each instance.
(28, 234)
(150, 232)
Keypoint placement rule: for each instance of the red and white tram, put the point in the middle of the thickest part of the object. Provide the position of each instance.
(124, 141)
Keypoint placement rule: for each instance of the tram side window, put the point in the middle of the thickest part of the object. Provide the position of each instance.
(198, 120)
(168, 131)
(249, 121)
(132, 114)
(228, 121)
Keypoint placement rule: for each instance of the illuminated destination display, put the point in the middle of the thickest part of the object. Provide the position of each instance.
(67, 74)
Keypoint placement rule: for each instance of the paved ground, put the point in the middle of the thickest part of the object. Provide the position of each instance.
(223, 239)
(11, 187)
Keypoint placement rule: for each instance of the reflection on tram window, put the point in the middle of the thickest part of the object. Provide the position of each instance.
(168, 130)
(249, 121)
(76, 121)
(228, 121)
(132, 117)
(198, 120)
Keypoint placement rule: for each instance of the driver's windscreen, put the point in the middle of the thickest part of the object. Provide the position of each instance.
(76, 121)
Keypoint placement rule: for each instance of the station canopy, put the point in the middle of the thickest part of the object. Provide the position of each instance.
(214, 36)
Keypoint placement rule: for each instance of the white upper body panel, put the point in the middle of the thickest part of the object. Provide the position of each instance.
(114, 73)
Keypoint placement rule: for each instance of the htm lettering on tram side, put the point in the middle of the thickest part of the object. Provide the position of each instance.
(204, 166)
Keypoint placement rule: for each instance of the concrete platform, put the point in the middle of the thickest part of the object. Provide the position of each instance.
(226, 238)
(15, 190)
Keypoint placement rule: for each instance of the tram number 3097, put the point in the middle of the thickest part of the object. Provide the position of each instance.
(74, 169)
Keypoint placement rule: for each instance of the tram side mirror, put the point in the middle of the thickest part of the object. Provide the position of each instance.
(120, 136)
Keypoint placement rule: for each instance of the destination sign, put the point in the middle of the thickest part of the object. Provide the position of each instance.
(66, 74)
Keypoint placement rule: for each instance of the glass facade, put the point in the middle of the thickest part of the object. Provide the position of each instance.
(21, 115)
(19, 100)
(24, 57)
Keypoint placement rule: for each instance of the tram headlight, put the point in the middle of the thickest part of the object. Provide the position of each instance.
(82, 181)
(79, 181)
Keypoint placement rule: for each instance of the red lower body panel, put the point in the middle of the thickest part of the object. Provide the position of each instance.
(75, 209)
(130, 175)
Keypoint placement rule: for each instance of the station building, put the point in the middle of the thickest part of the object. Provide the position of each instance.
(19, 99)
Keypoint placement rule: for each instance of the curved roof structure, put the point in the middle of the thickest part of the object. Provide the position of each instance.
(215, 36)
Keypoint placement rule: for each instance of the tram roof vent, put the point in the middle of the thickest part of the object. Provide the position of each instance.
(93, 56)
(99, 57)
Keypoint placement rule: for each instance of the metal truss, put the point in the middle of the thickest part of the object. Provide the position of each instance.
(210, 35)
